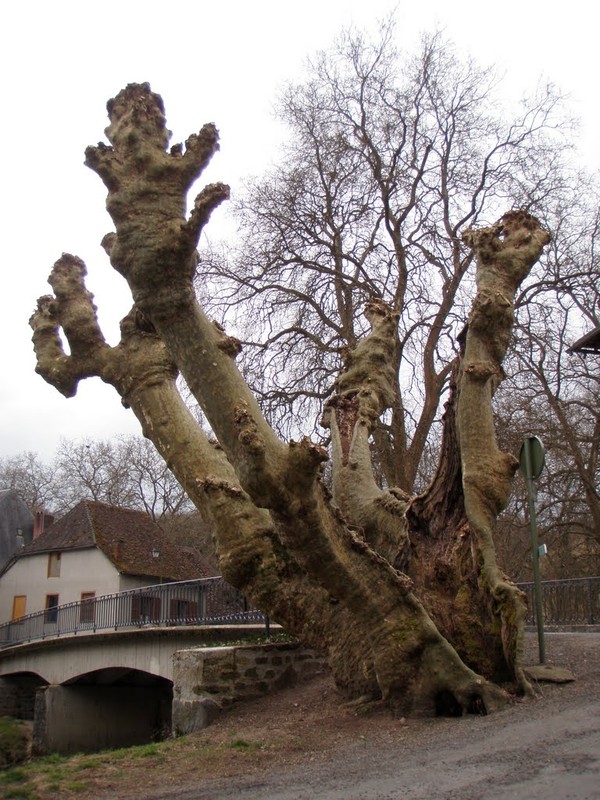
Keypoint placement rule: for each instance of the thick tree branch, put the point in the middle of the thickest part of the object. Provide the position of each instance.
(505, 253)
(250, 554)
(364, 391)
(155, 250)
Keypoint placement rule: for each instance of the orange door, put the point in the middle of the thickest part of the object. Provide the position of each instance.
(19, 604)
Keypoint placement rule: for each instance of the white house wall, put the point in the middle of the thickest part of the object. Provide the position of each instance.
(133, 582)
(80, 571)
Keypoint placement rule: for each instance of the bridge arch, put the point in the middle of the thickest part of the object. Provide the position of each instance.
(119, 676)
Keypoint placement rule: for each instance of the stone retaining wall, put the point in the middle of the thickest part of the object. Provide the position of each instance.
(209, 679)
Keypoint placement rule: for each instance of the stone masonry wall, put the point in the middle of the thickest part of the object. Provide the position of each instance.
(17, 696)
(209, 679)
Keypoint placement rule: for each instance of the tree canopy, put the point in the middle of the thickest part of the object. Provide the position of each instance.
(390, 158)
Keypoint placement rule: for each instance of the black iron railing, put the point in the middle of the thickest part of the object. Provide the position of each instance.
(209, 601)
(212, 601)
(574, 601)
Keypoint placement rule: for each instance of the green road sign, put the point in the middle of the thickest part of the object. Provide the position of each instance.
(531, 461)
(532, 457)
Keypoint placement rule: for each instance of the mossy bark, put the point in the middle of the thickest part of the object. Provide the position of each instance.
(403, 594)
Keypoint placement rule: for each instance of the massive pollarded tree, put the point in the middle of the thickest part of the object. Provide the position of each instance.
(402, 593)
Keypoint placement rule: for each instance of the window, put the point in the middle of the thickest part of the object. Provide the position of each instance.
(183, 610)
(145, 608)
(51, 614)
(19, 605)
(54, 565)
(87, 610)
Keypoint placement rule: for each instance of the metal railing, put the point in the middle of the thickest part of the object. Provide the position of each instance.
(209, 601)
(212, 601)
(574, 601)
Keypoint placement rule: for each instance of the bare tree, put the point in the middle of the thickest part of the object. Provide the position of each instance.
(125, 471)
(91, 469)
(153, 486)
(389, 161)
(565, 518)
(31, 478)
(555, 393)
(403, 594)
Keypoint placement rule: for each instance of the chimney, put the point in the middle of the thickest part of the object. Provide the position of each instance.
(38, 524)
(42, 521)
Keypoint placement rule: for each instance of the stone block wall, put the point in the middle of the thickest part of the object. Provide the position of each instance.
(209, 679)
(17, 696)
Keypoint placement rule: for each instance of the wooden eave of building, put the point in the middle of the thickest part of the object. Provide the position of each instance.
(590, 343)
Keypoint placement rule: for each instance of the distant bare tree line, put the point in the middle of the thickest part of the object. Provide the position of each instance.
(124, 471)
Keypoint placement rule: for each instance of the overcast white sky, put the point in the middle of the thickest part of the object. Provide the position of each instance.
(61, 61)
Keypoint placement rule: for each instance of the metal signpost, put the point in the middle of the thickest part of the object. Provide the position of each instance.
(531, 460)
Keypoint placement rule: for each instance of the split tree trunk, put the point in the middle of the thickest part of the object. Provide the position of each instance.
(403, 594)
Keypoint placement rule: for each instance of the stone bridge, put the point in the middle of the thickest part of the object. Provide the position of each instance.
(86, 692)
(75, 658)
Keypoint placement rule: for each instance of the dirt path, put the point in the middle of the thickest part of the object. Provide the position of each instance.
(553, 757)
(546, 749)
(305, 743)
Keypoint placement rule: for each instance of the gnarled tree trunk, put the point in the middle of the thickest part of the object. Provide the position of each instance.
(403, 594)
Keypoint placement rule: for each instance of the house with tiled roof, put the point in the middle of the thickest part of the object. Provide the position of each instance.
(95, 549)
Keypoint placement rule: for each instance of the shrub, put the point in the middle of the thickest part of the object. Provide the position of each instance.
(14, 742)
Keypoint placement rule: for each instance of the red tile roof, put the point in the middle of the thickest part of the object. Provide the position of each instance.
(127, 538)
